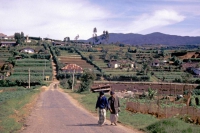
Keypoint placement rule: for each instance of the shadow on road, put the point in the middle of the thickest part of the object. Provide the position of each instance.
(90, 125)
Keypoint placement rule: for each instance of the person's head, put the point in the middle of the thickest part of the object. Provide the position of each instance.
(112, 93)
(101, 93)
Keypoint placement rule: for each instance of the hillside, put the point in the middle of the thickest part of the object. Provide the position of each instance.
(153, 38)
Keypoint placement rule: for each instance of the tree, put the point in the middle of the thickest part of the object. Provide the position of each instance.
(66, 39)
(95, 38)
(39, 42)
(107, 36)
(76, 38)
(86, 81)
(92, 57)
(22, 37)
(151, 93)
(128, 56)
(17, 36)
(177, 62)
(67, 83)
(145, 68)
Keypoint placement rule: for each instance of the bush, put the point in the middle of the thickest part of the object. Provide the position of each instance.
(86, 81)
(67, 83)
(172, 125)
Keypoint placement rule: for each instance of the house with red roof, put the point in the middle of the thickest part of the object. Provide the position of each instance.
(72, 68)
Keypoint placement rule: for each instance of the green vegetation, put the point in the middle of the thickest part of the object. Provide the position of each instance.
(143, 122)
(87, 79)
(12, 111)
(172, 125)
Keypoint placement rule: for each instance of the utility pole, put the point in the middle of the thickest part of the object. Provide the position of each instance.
(43, 74)
(45, 63)
(73, 81)
(29, 78)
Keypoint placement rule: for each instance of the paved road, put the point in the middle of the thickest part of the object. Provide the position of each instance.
(55, 113)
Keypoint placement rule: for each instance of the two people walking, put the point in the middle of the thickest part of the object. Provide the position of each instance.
(111, 104)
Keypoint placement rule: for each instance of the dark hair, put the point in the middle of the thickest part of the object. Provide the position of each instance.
(112, 92)
(101, 93)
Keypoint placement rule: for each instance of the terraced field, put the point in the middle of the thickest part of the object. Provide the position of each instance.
(74, 58)
(38, 69)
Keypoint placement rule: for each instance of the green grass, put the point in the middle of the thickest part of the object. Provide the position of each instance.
(172, 125)
(145, 122)
(12, 112)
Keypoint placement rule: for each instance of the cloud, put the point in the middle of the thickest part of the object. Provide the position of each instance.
(56, 19)
(159, 18)
(61, 18)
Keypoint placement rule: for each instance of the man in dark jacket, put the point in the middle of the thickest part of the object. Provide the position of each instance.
(115, 107)
(102, 104)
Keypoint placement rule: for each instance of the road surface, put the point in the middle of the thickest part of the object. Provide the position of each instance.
(56, 112)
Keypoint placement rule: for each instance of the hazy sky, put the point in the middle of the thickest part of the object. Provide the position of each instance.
(61, 18)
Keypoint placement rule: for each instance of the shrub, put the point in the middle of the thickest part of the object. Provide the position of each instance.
(172, 125)
(86, 81)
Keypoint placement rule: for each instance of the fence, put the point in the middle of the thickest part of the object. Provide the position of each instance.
(192, 113)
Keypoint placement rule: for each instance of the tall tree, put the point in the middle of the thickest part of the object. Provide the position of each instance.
(17, 36)
(107, 36)
(95, 30)
(87, 79)
(22, 37)
(95, 38)
(76, 38)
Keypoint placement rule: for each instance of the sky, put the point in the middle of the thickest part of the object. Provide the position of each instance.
(57, 19)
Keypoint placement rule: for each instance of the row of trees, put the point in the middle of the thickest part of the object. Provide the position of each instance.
(19, 37)
(103, 38)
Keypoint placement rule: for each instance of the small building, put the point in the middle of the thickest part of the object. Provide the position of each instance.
(27, 50)
(7, 43)
(48, 39)
(10, 37)
(86, 45)
(156, 63)
(58, 43)
(5, 37)
(2, 36)
(121, 64)
(196, 71)
(27, 39)
(114, 64)
(72, 68)
(98, 88)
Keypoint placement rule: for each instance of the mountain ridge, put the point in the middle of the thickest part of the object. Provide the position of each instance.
(152, 38)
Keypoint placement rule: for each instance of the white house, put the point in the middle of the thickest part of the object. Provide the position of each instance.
(7, 43)
(28, 50)
(196, 71)
(114, 64)
(155, 63)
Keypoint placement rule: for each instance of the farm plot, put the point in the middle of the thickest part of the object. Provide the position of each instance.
(162, 88)
(9, 93)
(97, 60)
(170, 76)
(38, 69)
(76, 59)
(79, 62)
(4, 55)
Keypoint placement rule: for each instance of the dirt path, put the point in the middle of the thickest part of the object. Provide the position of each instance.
(57, 112)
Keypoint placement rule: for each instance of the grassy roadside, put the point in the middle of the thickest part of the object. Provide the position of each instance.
(144, 122)
(14, 110)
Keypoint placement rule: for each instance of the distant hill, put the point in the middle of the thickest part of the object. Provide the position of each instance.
(153, 38)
